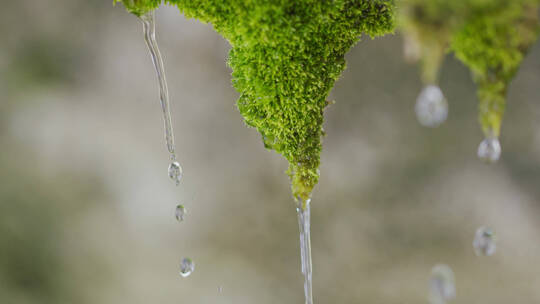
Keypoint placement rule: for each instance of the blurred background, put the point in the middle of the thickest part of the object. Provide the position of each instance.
(87, 208)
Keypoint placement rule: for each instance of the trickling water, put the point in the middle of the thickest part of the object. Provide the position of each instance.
(303, 212)
(489, 150)
(149, 28)
(431, 106)
(180, 212)
(441, 284)
(186, 267)
(484, 242)
(175, 172)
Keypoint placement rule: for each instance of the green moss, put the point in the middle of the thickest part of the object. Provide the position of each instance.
(139, 7)
(490, 37)
(428, 26)
(286, 56)
(493, 42)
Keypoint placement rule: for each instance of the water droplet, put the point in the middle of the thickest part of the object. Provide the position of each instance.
(186, 267)
(180, 212)
(489, 150)
(484, 242)
(175, 172)
(441, 284)
(220, 289)
(431, 107)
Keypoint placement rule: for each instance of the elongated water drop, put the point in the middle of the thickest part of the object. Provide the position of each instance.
(186, 267)
(149, 28)
(431, 107)
(180, 212)
(441, 284)
(175, 172)
(484, 242)
(303, 212)
(489, 150)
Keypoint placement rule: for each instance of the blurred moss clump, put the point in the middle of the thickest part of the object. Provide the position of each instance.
(285, 57)
(490, 37)
(493, 42)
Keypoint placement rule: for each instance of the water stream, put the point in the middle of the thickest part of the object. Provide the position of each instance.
(304, 217)
(149, 28)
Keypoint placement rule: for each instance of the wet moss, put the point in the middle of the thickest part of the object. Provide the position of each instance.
(490, 37)
(285, 57)
(493, 43)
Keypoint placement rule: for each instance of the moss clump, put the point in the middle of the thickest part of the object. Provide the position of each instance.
(490, 37)
(139, 7)
(493, 42)
(286, 56)
(428, 26)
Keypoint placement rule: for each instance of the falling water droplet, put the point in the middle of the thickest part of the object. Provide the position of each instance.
(441, 284)
(303, 212)
(175, 172)
(186, 267)
(149, 28)
(489, 150)
(180, 213)
(484, 242)
(431, 106)
(220, 289)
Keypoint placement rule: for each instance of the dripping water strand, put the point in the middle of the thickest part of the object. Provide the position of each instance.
(303, 212)
(148, 21)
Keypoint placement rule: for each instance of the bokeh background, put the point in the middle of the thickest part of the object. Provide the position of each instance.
(87, 209)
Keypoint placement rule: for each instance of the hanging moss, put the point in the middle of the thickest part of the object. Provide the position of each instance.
(286, 56)
(493, 42)
(427, 26)
(139, 7)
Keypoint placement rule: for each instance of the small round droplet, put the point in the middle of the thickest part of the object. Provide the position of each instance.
(175, 172)
(431, 107)
(186, 267)
(489, 150)
(484, 242)
(441, 284)
(180, 212)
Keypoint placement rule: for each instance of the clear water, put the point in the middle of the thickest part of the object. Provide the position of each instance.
(186, 267)
(180, 212)
(490, 150)
(431, 107)
(149, 28)
(175, 172)
(303, 212)
(484, 242)
(441, 284)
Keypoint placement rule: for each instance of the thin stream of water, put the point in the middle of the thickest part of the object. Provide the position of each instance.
(304, 219)
(148, 21)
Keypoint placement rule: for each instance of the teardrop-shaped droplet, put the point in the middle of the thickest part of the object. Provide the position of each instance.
(431, 107)
(484, 242)
(441, 284)
(180, 212)
(489, 150)
(175, 172)
(186, 267)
